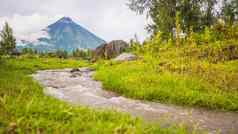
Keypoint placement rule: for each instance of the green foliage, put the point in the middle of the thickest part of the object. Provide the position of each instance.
(82, 54)
(48, 54)
(230, 11)
(28, 51)
(177, 76)
(136, 46)
(217, 33)
(1, 51)
(25, 109)
(178, 29)
(61, 53)
(153, 47)
(191, 41)
(194, 13)
(207, 36)
(8, 41)
(202, 71)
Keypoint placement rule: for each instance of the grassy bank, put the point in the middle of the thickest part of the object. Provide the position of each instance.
(200, 76)
(25, 109)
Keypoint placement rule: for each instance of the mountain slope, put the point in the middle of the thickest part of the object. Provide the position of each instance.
(65, 34)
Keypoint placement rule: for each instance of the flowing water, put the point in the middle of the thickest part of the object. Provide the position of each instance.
(78, 87)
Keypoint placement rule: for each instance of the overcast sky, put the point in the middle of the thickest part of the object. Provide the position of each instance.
(109, 19)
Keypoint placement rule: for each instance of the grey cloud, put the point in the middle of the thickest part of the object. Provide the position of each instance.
(110, 19)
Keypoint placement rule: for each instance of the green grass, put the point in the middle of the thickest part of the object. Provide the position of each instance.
(177, 77)
(25, 109)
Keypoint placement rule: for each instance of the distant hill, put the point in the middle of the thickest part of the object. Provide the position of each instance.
(63, 34)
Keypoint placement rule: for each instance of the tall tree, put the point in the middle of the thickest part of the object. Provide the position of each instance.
(194, 13)
(8, 41)
(162, 13)
(209, 12)
(230, 11)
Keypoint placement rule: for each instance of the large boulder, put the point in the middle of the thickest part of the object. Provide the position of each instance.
(110, 50)
(125, 57)
(99, 52)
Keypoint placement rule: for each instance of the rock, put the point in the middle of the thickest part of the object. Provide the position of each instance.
(99, 52)
(74, 70)
(79, 72)
(126, 57)
(110, 50)
(75, 73)
(86, 69)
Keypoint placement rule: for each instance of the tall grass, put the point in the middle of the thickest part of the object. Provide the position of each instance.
(178, 75)
(25, 109)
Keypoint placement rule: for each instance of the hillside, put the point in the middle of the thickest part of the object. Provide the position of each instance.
(203, 75)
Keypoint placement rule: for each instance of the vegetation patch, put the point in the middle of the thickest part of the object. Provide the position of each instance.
(175, 75)
(25, 109)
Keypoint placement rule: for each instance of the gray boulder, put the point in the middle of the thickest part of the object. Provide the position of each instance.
(110, 50)
(126, 57)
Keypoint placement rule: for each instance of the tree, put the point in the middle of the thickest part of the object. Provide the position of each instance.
(79, 53)
(8, 42)
(178, 29)
(194, 14)
(230, 11)
(1, 50)
(29, 51)
(61, 54)
(83, 54)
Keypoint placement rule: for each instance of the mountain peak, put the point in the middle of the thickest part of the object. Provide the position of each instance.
(67, 35)
(65, 20)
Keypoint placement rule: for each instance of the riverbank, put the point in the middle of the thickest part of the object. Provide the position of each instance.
(24, 108)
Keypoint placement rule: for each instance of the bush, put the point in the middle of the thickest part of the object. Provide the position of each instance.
(29, 51)
(61, 54)
(8, 42)
(82, 54)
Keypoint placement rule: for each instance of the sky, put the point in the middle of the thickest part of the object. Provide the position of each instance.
(108, 19)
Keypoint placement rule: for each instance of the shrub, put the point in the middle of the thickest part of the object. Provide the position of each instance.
(61, 54)
(8, 42)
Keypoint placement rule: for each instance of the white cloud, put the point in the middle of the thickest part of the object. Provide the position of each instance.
(109, 19)
(28, 27)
